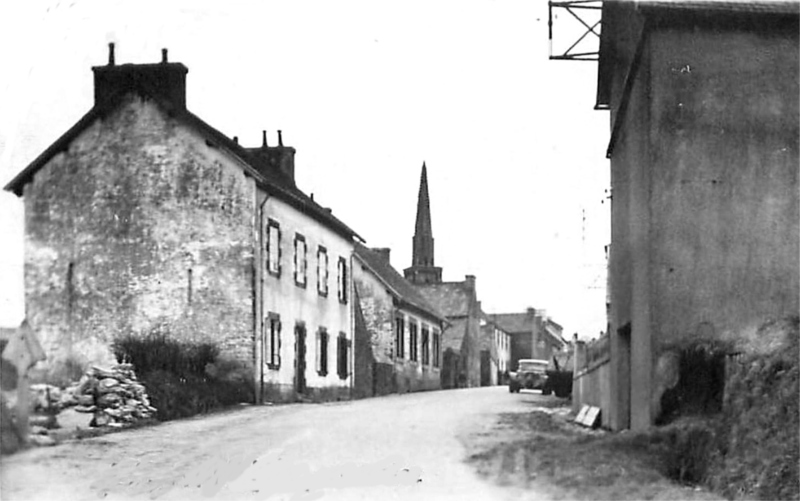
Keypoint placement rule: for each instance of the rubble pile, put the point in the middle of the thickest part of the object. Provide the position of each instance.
(114, 395)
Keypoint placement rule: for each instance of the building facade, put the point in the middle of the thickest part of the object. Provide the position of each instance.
(532, 334)
(143, 218)
(704, 177)
(495, 344)
(403, 331)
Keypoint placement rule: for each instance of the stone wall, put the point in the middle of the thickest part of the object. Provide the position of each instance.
(139, 224)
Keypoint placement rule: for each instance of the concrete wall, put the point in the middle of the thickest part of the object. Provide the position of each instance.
(305, 305)
(138, 224)
(592, 386)
(705, 209)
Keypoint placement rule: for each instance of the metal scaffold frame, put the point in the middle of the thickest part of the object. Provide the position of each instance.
(575, 8)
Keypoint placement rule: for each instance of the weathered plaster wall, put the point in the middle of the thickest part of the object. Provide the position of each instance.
(378, 309)
(629, 260)
(705, 215)
(724, 205)
(139, 223)
(295, 304)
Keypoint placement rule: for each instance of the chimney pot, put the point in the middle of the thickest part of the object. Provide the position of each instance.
(163, 55)
(280, 138)
(263, 139)
(111, 54)
(236, 139)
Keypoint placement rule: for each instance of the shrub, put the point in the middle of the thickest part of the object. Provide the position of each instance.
(184, 378)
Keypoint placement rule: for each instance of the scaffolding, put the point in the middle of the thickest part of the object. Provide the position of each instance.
(587, 13)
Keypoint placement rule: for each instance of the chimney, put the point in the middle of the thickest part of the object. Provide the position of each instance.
(165, 80)
(531, 312)
(470, 280)
(274, 158)
(384, 252)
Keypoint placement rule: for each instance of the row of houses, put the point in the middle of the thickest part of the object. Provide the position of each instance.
(144, 218)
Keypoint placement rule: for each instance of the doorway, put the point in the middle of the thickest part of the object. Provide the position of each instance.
(300, 358)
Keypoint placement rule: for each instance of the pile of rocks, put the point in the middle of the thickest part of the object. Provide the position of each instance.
(114, 395)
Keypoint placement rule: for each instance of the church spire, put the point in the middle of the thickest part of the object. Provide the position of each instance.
(422, 270)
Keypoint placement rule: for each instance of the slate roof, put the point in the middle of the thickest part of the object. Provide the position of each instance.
(454, 336)
(398, 286)
(513, 322)
(451, 298)
(266, 177)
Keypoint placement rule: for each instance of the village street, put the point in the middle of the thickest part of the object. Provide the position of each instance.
(397, 447)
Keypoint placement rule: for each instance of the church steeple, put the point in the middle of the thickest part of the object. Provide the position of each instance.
(422, 270)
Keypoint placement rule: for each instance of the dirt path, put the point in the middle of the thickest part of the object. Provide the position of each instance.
(540, 454)
(397, 447)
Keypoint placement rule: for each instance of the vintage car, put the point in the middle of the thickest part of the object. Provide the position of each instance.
(531, 374)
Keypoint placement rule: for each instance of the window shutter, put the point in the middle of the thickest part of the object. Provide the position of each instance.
(278, 350)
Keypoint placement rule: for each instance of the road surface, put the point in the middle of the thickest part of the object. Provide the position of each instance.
(396, 447)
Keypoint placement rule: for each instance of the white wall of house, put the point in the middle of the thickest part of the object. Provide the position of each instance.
(313, 299)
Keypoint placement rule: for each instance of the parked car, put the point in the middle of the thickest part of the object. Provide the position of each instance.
(531, 374)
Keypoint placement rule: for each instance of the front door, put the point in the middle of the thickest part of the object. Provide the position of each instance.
(300, 358)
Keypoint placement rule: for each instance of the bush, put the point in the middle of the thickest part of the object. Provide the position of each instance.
(184, 378)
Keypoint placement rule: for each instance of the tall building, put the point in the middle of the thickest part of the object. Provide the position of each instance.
(422, 269)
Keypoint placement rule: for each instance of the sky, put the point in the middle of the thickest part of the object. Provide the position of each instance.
(366, 92)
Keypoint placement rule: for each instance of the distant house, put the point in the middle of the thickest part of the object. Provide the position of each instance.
(458, 301)
(399, 336)
(495, 347)
(705, 213)
(143, 217)
(533, 334)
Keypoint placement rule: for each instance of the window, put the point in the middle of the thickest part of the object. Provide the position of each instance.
(342, 280)
(322, 271)
(322, 351)
(412, 341)
(399, 337)
(437, 348)
(343, 356)
(272, 244)
(426, 348)
(300, 260)
(271, 340)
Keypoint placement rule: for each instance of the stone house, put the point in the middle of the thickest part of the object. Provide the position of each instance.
(704, 176)
(143, 217)
(533, 335)
(402, 332)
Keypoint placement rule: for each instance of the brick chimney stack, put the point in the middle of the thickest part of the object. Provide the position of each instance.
(384, 252)
(165, 80)
(274, 159)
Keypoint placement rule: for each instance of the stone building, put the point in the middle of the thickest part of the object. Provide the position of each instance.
(704, 177)
(458, 301)
(533, 335)
(143, 217)
(399, 336)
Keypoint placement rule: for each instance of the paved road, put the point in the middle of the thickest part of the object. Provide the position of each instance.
(395, 447)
